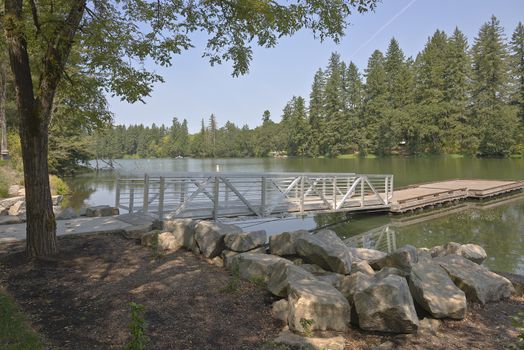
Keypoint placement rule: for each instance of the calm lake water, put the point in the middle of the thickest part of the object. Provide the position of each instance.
(496, 225)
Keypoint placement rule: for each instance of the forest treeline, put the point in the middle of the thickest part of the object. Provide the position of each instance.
(451, 98)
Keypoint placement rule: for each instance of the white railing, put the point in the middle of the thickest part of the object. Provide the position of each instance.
(214, 195)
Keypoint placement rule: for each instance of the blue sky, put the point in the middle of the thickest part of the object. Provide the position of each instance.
(193, 89)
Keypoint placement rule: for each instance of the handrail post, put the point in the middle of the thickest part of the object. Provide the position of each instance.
(263, 197)
(334, 192)
(117, 192)
(131, 198)
(216, 189)
(386, 183)
(302, 194)
(362, 179)
(145, 206)
(161, 198)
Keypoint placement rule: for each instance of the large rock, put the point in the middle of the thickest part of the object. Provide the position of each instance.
(370, 255)
(325, 249)
(316, 305)
(434, 291)
(473, 252)
(354, 283)
(170, 240)
(255, 266)
(17, 209)
(362, 266)
(8, 202)
(101, 210)
(9, 220)
(227, 255)
(285, 242)
(470, 251)
(386, 306)
(282, 274)
(66, 214)
(13, 190)
(402, 259)
(209, 236)
(479, 284)
(245, 241)
(295, 341)
(280, 310)
(183, 230)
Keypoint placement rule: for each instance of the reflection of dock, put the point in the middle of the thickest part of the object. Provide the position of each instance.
(384, 237)
(438, 193)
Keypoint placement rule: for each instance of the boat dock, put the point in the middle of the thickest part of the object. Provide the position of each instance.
(442, 192)
(218, 195)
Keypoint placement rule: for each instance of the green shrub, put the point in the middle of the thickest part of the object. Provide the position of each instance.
(137, 327)
(4, 188)
(58, 186)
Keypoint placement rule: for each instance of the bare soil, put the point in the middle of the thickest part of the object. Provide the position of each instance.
(80, 298)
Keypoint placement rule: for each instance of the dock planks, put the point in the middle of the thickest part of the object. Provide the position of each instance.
(435, 193)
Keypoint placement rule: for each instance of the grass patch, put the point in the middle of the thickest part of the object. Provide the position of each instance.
(232, 284)
(355, 156)
(258, 281)
(15, 333)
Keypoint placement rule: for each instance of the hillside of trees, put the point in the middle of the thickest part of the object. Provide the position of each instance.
(452, 97)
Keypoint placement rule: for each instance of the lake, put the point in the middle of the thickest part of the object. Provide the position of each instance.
(498, 226)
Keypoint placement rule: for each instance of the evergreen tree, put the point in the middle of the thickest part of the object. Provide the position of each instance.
(334, 108)
(316, 112)
(213, 134)
(490, 79)
(266, 117)
(517, 67)
(354, 93)
(375, 101)
(295, 121)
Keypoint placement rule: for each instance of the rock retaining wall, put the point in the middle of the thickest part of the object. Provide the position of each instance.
(326, 285)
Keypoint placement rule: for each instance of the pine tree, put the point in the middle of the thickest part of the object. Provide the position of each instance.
(316, 112)
(517, 67)
(375, 101)
(490, 87)
(334, 107)
(354, 92)
(462, 134)
(295, 121)
(213, 134)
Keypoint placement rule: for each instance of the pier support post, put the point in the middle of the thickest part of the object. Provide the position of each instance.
(161, 190)
(145, 206)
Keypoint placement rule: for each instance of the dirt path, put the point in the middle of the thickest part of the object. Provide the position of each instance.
(79, 300)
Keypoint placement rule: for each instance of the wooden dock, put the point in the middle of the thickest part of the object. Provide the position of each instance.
(442, 192)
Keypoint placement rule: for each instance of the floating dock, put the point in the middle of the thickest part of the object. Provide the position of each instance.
(442, 192)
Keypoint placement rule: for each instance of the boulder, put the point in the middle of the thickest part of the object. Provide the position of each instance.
(136, 232)
(479, 284)
(280, 309)
(183, 230)
(335, 279)
(370, 255)
(227, 254)
(325, 249)
(9, 220)
(473, 252)
(402, 259)
(386, 306)
(8, 202)
(209, 236)
(66, 214)
(245, 241)
(282, 273)
(57, 199)
(170, 241)
(362, 266)
(296, 341)
(285, 243)
(101, 210)
(316, 305)
(314, 269)
(4, 211)
(433, 290)
(253, 265)
(17, 208)
(386, 271)
(356, 282)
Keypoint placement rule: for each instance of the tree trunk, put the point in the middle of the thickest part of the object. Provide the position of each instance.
(41, 225)
(4, 154)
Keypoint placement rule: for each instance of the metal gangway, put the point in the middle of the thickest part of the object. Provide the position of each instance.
(219, 194)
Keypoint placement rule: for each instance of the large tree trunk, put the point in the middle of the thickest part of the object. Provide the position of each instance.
(41, 225)
(3, 127)
(34, 112)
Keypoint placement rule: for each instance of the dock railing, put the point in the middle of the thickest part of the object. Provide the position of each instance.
(215, 195)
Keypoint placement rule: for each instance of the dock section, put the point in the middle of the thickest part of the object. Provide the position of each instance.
(442, 192)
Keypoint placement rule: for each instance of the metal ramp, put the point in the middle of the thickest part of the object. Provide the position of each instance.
(217, 195)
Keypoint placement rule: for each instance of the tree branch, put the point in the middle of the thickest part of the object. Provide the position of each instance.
(34, 13)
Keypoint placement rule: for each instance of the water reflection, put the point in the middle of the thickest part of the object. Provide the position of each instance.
(496, 226)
